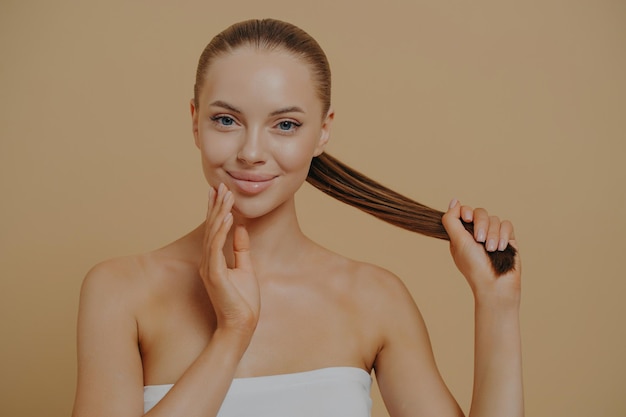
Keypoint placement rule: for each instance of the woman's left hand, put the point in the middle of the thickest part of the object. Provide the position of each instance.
(470, 253)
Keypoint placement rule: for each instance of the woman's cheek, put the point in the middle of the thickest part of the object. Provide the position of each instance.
(216, 151)
(296, 155)
(213, 158)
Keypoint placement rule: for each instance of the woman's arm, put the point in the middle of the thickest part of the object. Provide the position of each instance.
(406, 372)
(110, 378)
(405, 367)
(110, 373)
(498, 389)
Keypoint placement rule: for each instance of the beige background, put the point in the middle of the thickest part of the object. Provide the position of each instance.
(517, 106)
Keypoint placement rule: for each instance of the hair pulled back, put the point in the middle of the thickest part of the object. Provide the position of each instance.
(326, 172)
(269, 34)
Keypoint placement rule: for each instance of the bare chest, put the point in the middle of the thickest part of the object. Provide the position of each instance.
(296, 331)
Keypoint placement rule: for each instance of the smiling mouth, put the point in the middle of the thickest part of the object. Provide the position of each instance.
(251, 183)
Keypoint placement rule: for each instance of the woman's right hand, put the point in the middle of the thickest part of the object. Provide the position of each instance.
(234, 292)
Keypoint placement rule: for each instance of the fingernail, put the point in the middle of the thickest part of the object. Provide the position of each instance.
(491, 245)
(480, 237)
(453, 203)
(220, 188)
(502, 245)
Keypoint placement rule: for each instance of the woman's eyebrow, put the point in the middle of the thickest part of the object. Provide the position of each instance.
(223, 104)
(292, 109)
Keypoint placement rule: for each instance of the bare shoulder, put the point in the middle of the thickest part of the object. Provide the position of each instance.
(376, 292)
(112, 272)
(124, 277)
(384, 282)
(371, 282)
(115, 273)
(382, 305)
(128, 272)
(111, 284)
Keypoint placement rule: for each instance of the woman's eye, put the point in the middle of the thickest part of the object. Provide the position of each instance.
(287, 125)
(226, 121)
(223, 120)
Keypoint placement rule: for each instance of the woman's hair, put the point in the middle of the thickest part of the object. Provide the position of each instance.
(327, 173)
(269, 34)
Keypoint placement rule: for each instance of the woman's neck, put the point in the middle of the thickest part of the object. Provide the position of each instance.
(276, 239)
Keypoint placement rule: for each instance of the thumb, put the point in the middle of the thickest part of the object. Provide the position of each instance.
(452, 222)
(241, 248)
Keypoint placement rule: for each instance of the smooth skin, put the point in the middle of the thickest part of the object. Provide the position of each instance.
(250, 294)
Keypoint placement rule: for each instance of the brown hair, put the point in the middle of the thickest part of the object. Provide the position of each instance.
(327, 173)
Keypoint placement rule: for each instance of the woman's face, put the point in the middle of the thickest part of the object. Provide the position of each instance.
(258, 125)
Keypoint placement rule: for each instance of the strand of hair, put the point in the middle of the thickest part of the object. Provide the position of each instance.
(349, 186)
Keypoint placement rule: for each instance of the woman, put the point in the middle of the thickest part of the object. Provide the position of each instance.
(247, 316)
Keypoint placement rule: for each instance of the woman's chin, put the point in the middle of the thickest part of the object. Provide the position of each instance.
(249, 211)
(255, 209)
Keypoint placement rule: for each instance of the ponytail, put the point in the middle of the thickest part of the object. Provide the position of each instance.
(353, 188)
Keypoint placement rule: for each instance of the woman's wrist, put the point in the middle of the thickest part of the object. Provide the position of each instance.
(496, 311)
(235, 342)
(501, 294)
(496, 317)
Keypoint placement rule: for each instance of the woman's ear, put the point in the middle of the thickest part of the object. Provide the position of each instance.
(194, 122)
(325, 133)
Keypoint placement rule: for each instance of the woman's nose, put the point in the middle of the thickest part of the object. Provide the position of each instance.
(252, 150)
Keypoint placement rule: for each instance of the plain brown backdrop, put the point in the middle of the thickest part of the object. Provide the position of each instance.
(516, 106)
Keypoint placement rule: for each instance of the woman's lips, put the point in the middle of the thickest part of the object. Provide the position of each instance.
(251, 183)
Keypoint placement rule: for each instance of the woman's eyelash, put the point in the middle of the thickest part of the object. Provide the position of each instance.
(284, 125)
(223, 120)
(288, 125)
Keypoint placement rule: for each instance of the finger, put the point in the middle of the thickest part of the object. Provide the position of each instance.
(220, 206)
(207, 226)
(467, 214)
(452, 222)
(506, 234)
(218, 197)
(209, 211)
(481, 224)
(493, 234)
(224, 204)
(241, 248)
(212, 194)
(217, 262)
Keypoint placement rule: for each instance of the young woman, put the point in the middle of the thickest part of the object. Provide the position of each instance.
(245, 316)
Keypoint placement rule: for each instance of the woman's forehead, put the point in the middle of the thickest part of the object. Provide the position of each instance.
(250, 74)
